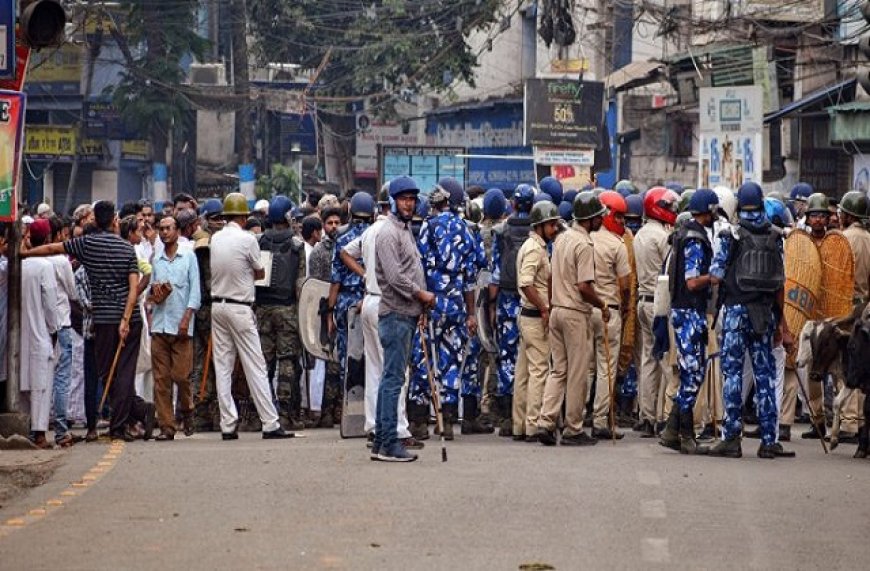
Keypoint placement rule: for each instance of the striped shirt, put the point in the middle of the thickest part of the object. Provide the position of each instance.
(109, 261)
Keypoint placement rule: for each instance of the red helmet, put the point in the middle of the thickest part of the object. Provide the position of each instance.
(616, 207)
(661, 204)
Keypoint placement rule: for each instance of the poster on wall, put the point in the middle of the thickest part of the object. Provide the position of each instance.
(861, 170)
(12, 105)
(730, 150)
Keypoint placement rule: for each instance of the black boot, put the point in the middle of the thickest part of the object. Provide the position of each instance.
(863, 440)
(471, 418)
(670, 436)
(418, 420)
(813, 433)
(506, 404)
(449, 414)
(688, 444)
(728, 448)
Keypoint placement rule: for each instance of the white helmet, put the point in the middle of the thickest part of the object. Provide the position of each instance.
(727, 201)
(262, 205)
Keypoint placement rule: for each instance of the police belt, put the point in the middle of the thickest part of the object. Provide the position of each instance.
(527, 312)
(646, 298)
(235, 301)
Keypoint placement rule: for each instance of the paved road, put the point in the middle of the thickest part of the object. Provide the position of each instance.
(319, 503)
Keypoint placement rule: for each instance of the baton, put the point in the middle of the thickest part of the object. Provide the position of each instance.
(810, 406)
(436, 401)
(111, 375)
(203, 382)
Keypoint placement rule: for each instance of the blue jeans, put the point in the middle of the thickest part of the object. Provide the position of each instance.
(395, 331)
(62, 376)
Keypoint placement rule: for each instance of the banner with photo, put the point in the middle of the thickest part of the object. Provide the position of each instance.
(12, 104)
(730, 148)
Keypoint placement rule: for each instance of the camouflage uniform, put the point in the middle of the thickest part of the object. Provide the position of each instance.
(486, 366)
(737, 338)
(471, 382)
(506, 316)
(278, 325)
(350, 294)
(320, 267)
(690, 333)
(449, 255)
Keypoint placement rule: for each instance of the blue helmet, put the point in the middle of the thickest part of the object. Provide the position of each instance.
(543, 197)
(494, 203)
(801, 191)
(675, 186)
(362, 205)
(454, 190)
(422, 208)
(634, 203)
(401, 185)
(570, 195)
(703, 201)
(750, 196)
(211, 207)
(777, 212)
(553, 187)
(278, 209)
(524, 198)
(566, 211)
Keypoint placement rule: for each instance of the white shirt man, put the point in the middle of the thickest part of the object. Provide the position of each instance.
(235, 264)
(39, 324)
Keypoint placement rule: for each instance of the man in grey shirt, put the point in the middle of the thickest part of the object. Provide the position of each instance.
(403, 300)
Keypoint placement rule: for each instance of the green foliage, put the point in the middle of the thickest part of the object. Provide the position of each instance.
(159, 35)
(383, 45)
(283, 180)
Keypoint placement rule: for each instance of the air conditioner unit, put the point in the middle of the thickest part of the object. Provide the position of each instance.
(207, 74)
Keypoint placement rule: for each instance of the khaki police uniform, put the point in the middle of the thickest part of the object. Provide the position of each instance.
(650, 250)
(533, 361)
(611, 265)
(570, 331)
(859, 240)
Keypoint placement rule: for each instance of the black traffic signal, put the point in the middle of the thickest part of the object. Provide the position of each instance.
(42, 23)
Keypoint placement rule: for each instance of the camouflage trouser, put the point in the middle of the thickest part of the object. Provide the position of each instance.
(738, 337)
(507, 314)
(445, 351)
(345, 300)
(206, 407)
(488, 380)
(278, 326)
(471, 381)
(628, 386)
(690, 329)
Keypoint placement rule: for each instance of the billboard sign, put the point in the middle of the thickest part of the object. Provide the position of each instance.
(563, 113)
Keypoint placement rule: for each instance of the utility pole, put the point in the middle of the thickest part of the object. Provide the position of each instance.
(241, 82)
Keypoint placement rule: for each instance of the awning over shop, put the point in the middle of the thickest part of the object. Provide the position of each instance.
(850, 122)
(635, 74)
(836, 94)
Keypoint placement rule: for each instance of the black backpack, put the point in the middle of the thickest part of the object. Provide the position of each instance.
(511, 235)
(758, 262)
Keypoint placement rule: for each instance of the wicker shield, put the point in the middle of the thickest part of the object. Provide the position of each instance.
(312, 314)
(838, 276)
(629, 328)
(803, 281)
